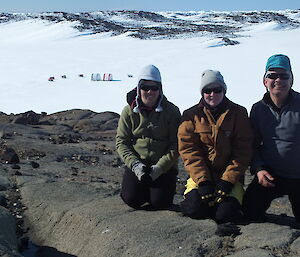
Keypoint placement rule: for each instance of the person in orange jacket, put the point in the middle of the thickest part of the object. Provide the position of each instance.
(215, 143)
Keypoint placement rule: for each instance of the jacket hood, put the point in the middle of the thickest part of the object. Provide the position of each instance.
(136, 104)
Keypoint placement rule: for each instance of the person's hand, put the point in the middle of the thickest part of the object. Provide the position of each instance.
(138, 169)
(155, 172)
(223, 188)
(265, 179)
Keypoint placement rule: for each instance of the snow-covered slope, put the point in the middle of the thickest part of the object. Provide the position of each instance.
(37, 46)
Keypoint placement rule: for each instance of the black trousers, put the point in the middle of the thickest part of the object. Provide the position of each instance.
(258, 198)
(159, 194)
(227, 211)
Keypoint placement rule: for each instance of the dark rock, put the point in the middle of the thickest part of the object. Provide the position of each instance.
(117, 162)
(34, 164)
(105, 150)
(25, 118)
(3, 200)
(18, 173)
(4, 118)
(67, 118)
(23, 242)
(227, 229)
(98, 179)
(15, 167)
(59, 158)
(65, 138)
(5, 135)
(74, 171)
(9, 155)
(31, 153)
(228, 41)
(98, 122)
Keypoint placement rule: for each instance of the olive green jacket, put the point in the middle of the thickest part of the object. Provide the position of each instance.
(149, 137)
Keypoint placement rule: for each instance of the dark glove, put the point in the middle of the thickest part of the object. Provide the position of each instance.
(206, 192)
(223, 189)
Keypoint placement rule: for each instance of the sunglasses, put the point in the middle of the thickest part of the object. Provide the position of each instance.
(216, 90)
(284, 76)
(149, 87)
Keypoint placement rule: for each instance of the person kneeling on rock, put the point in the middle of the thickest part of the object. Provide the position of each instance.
(276, 123)
(147, 143)
(215, 143)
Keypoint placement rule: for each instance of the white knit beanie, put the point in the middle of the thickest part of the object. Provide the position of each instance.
(212, 76)
(149, 72)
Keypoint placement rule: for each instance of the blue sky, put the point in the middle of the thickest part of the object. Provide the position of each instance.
(152, 5)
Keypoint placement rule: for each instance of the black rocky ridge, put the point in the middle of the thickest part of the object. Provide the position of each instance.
(163, 25)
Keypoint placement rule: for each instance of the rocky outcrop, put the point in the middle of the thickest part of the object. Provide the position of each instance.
(64, 196)
(83, 120)
(92, 221)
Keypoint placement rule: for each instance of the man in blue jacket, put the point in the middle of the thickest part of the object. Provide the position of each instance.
(276, 123)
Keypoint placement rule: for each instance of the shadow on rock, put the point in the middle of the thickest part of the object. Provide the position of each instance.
(45, 251)
(282, 220)
(148, 207)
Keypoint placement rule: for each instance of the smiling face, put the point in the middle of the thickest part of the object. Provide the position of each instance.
(278, 82)
(149, 92)
(214, 96)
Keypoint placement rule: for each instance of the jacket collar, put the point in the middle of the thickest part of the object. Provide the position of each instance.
(268, 101)
(136, 103)
(218, 110)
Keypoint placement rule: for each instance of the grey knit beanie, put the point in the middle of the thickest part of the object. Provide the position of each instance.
(212, 76)
(149, 72)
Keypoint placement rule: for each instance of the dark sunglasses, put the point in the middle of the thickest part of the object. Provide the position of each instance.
(216, 90)
(284, 76)
(149, 87)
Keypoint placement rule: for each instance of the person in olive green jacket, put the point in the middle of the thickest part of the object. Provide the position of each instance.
(147, 143)
(215, 143)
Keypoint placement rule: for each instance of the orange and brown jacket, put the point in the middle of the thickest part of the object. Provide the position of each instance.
(213, 149)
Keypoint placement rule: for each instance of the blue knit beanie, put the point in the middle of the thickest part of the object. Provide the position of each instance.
(279, 61)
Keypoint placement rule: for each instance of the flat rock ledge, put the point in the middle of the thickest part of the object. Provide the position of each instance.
(87, 220)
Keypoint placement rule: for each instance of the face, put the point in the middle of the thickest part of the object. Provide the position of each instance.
(149, 96)
(278, 86)
(213, 98)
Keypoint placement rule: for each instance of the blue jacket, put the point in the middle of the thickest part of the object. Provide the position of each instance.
(277, 136)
